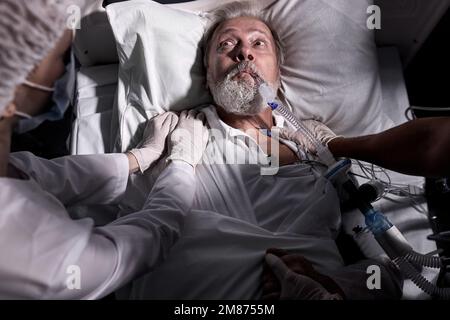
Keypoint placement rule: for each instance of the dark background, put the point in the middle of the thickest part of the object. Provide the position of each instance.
(427, 77)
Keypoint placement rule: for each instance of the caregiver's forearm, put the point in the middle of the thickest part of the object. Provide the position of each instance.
(419, 147)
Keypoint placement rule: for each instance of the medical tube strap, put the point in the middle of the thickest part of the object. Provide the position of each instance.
(38, 86)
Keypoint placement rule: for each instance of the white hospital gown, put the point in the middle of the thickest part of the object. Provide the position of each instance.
(237, 215)
(43, 251)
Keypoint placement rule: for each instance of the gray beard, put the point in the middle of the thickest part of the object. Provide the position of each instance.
(237, 97)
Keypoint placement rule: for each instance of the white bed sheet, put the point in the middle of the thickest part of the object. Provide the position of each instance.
(95, 93)
(237, 214)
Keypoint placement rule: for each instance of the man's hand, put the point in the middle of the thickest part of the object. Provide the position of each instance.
(320, 132)
(291, 276)
(188, 141)
(154, 139)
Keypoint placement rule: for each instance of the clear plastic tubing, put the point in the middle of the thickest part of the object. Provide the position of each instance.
(269, 96)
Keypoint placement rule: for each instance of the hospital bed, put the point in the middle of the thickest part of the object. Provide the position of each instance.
(94, 130)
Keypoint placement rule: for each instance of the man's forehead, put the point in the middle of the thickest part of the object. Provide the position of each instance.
(243, 24)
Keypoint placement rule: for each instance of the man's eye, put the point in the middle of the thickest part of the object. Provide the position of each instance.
(259, 43)
(226, 44)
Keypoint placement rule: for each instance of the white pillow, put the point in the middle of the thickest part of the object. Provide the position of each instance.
(160, 63)
(330, 72)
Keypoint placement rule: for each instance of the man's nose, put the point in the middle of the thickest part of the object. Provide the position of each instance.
(244, 53)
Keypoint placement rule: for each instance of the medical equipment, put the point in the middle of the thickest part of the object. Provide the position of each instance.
(372, 190)
(322, 151)
(386, 234)
(380, 179)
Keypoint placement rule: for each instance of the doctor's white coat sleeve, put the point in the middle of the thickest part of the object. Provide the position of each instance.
(78, 179)
(46, 255)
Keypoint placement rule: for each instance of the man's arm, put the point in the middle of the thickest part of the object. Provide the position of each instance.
(419, 147)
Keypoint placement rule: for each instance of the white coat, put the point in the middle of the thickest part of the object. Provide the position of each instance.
(44, 254)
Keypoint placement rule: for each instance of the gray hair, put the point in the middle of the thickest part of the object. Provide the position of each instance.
(235, 10)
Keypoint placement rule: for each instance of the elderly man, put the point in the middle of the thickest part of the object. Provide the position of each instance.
(239, 213)
(242, 52)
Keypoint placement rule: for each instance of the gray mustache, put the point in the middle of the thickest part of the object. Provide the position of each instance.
(248, 67)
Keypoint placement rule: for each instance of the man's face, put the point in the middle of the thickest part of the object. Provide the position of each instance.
(241, 55)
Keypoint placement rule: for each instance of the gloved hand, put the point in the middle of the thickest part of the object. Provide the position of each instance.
(293, 277)
(319, 131)
(154, 138)
(189, 139)
(295, 286)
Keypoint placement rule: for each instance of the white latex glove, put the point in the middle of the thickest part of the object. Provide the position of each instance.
(189, 139)
(154, 138)
(319, 131)
(295, 286)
